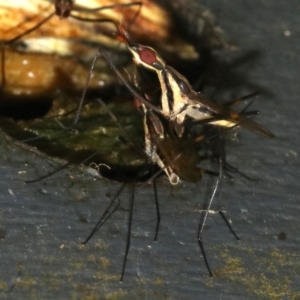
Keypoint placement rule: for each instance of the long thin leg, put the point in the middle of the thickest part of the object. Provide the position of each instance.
(83, 95)
(60, 169)
(28, 31)
(200, 242)
(128, 233)
(224, 165)
(3, 80)
(49, 174)
(102, 53)
(97, 9)
(221, 212)
(106, 214)
(157, 209)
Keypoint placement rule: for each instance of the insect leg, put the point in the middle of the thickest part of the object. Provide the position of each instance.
(113, 6)
(35, 27)
(59, 169)
(201, 226)
(107, 213)
(83, 95)
(157, 209)
(49, 174)
(221, 212)
(102, 53)
(128, 233)
(3, 79)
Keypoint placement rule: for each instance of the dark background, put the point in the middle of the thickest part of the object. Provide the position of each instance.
(41, 224)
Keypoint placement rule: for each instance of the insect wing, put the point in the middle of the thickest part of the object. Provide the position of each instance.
(178, 154)
(230, 115)
(213, 109)
(182, 157)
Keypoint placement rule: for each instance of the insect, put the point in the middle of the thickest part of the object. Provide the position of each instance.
(179, 159)
(178, 99)
(167, 140)
(169, 144)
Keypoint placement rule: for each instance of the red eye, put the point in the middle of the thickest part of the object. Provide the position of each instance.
(137, 103)
(147, 57)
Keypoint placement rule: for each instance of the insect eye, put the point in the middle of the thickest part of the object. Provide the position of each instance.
(147, 56)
